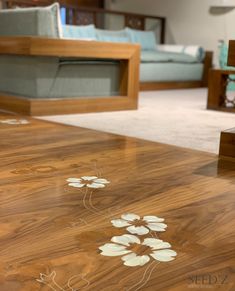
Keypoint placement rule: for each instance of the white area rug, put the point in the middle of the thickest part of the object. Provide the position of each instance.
(176, 117)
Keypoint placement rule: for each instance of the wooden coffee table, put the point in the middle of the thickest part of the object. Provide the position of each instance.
(52, 234)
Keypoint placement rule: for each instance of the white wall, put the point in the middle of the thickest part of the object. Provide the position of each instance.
(188, 21)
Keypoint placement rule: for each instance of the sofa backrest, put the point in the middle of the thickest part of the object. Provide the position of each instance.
(38, 21)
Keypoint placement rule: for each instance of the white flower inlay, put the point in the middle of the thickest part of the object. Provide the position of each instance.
(137, 253)
(135, 225)
(87, 181)
(14, 121)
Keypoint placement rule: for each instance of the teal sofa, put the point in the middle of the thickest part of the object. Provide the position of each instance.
(65, 77)
(51, 77)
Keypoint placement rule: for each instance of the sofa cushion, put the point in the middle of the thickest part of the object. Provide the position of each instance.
(193, 50)
(160, 57)
(170, 72)
(52, 77)
(115, 39)
(39, 21)
(112, 35)
(86, 32)
(146, 39)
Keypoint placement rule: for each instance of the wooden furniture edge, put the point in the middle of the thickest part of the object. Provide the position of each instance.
(227, 144)
(208, 64)
(40, 107)
(151, 86)
(37, 46)
(231, 53)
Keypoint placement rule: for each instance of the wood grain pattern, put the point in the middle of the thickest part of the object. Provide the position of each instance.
(37, 46)
(227, 143)
(128, 54)
(151, 86)
(50, 228)
(231, 53)
(40, 107)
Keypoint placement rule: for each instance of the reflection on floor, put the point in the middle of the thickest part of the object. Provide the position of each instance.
(86, 209)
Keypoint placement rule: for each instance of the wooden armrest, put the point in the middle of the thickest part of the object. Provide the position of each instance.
(37, 46)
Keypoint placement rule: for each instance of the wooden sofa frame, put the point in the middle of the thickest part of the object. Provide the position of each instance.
(127, 54)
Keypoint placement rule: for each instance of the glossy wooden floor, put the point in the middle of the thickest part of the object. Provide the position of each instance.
(50, 233)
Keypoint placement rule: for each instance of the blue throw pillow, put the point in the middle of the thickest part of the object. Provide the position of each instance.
(115, 38)
(79, 32)
(112, 35)
(146, 39)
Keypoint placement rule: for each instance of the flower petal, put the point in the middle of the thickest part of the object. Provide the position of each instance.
(156, 244)
(120, 223)
(102, 181)
(126, 239)
(89, 178)
(130, 216)
(140, 230)
(114, 247)
(132, 260)
(164, 255)
(113, 250)
(153, 219)
(95, 185)
(23, 121)
(76, 185)
(157, 226)
(74, 180)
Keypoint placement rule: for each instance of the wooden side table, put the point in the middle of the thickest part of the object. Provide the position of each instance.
(217, 90)
(227, 139)
(231, 53)
(217, 87)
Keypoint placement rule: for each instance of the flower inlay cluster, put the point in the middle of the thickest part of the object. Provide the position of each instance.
(155, 248)
(136, 225)
(133, 250)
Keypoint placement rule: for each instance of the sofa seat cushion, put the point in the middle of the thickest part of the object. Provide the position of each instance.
(170, 72)
(52, 77)
(155, 56)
